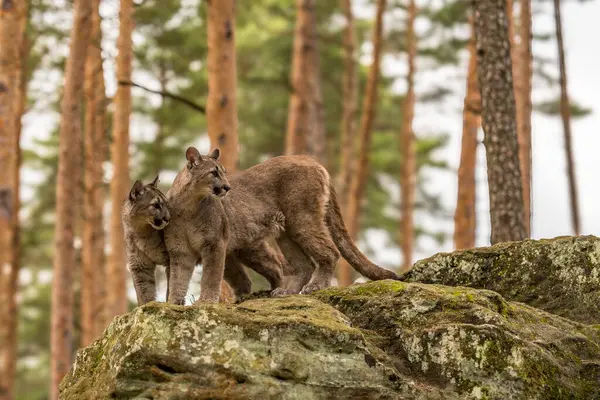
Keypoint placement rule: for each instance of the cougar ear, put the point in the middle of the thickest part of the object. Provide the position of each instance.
(136, 190)
(155, 181)
(193, 155)
(215, 154)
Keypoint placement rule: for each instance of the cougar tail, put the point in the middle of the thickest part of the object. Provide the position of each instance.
(346, 246)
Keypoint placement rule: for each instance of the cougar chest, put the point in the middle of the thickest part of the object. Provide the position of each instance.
(153, 246)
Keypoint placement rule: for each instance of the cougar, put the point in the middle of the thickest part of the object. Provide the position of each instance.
(145, 213)
(212, 219)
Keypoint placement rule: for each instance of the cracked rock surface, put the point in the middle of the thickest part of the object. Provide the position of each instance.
(379, 340)
(560, 275)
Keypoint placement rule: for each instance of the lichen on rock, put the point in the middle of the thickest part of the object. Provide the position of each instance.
(560, 275)
(380, 340)
(290, 348)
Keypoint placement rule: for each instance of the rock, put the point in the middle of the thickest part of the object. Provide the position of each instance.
(286, 348)
(380, 340)
(560, 275)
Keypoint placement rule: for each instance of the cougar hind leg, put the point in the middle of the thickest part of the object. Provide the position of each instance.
(236, 276)
(297, 266)
(263, 259)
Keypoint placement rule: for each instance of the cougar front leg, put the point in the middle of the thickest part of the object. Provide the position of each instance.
(168, 275)
(144, 282)
(213, 266)
(179, 275)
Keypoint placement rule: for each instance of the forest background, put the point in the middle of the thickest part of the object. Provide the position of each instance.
(170, 33)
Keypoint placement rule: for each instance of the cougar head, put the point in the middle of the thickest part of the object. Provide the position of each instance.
(204, 174)
(149, 204)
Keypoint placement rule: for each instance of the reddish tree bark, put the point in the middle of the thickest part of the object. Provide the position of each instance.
(348, 125)
(306, 125)
(465, 216)
(408, 173)
(93, 260)
(359, 178)
(221, 108)
(119, 186)
(67, 189)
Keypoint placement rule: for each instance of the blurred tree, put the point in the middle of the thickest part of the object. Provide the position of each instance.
(67, 195)
(408, 170)
(566, 119)
(359, 179)
(14, 49)
(494, 70)
(95, 142)
(464, 215)
(116, 297)
(523, 76)
(348, 123)
(305, 130)
(221, 107)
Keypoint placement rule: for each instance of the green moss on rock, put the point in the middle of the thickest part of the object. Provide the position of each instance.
(380, 340)
(473, 342)
(560, 275)
(288, 348)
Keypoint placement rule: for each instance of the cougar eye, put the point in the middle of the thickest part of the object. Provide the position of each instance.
(156, 205)
(214, 173)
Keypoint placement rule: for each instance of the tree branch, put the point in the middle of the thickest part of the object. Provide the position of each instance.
(164, 93)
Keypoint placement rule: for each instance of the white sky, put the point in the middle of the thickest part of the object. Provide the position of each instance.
(550, 201)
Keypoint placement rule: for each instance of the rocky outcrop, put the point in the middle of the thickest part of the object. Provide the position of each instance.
(560, 275)
(380, 340)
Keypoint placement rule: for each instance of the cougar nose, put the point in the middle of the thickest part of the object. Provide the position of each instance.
(166, 219)
(226, 188)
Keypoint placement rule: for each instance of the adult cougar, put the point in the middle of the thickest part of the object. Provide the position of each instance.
(293, 189)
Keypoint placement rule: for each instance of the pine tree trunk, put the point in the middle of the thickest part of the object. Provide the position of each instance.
(317, 145)
(359, 178)
(524, 107)
(565, 114)
(13, 56)
(302, 108)
(221, 107)
(93, 199)
(348, 125)
(521, 59)
(408, 173)
(67, 189)
(222, 81)
(9, 89)
(464, 215)
(119, 185)
(494, 70)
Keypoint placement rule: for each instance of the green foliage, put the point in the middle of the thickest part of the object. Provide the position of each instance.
(552, 108)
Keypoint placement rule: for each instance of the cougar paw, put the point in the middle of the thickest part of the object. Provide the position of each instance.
(312, 287)
(279, 292)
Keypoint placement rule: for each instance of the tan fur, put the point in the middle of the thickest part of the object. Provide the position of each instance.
(295, 188)
(205, 227)
(144, 214)
(146, 246)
